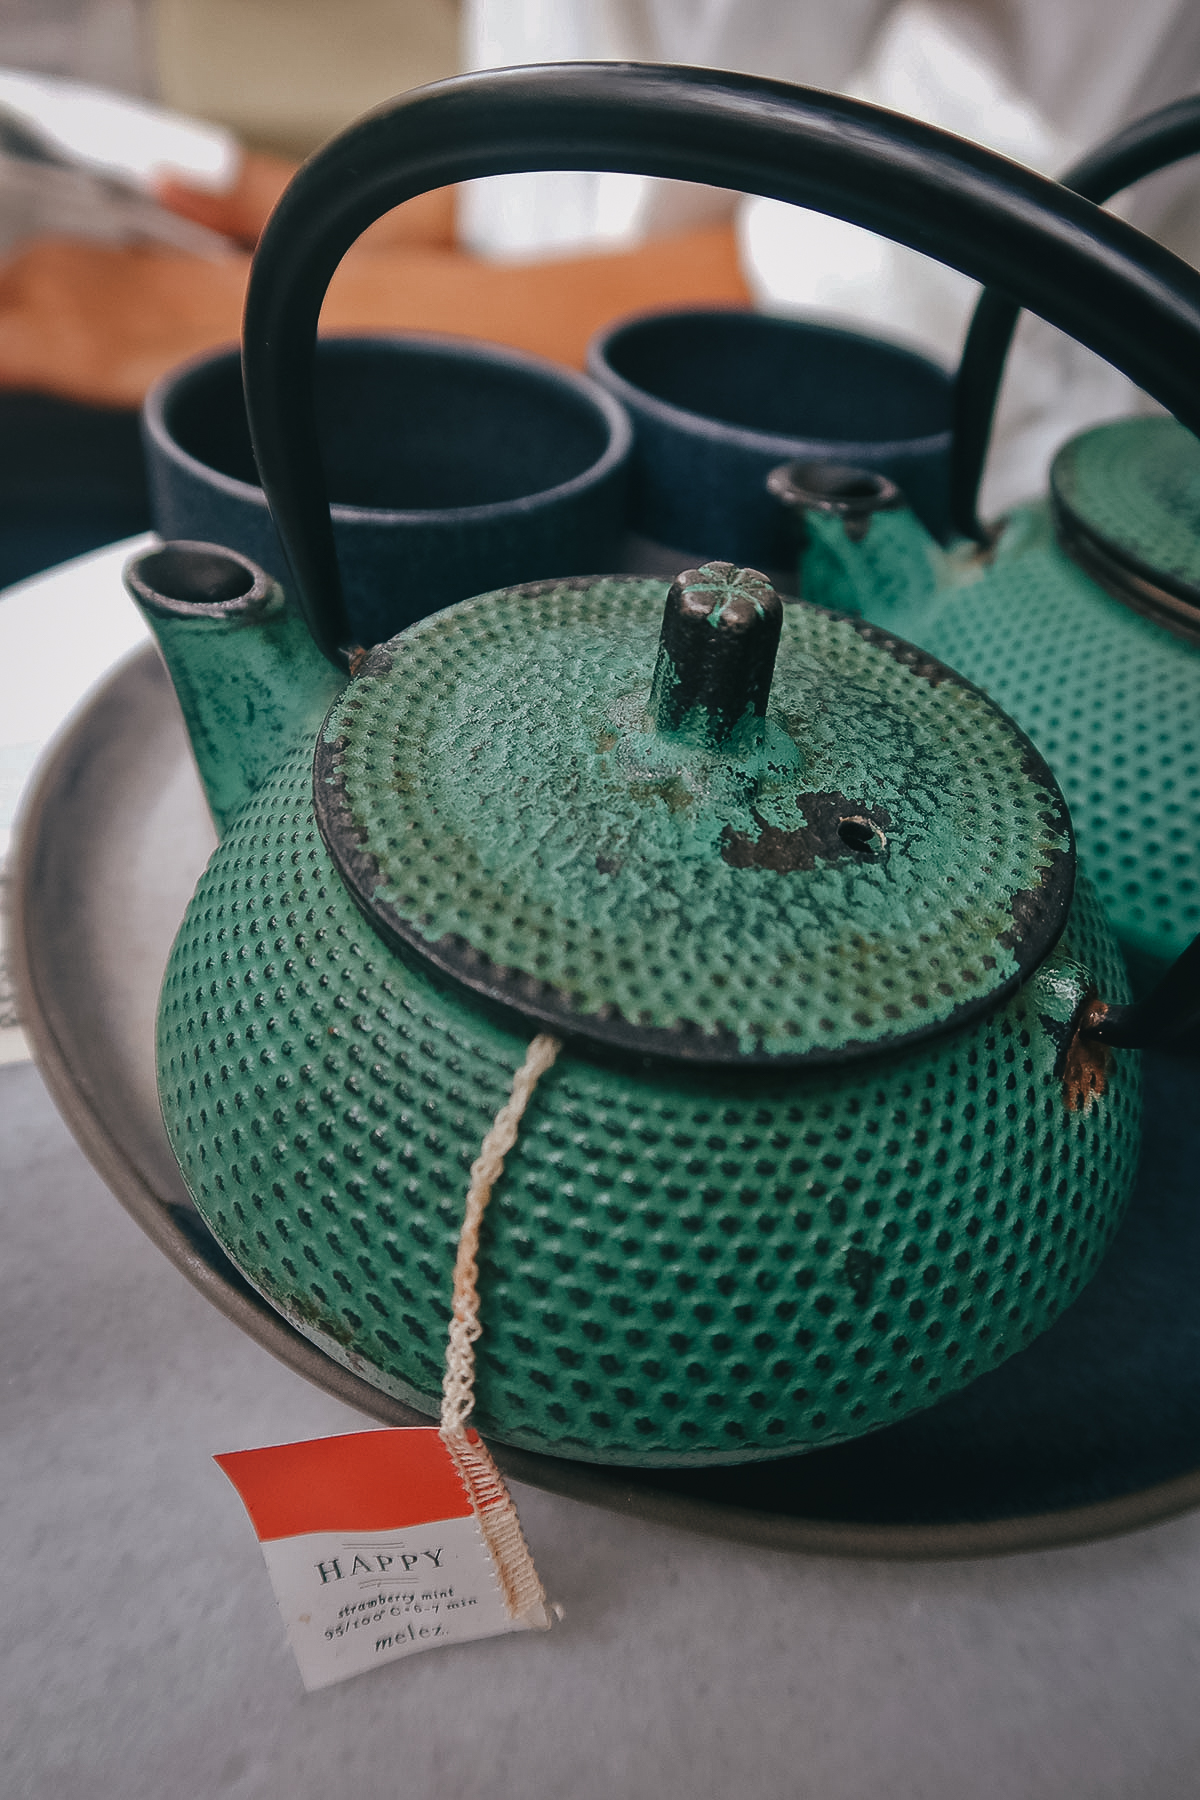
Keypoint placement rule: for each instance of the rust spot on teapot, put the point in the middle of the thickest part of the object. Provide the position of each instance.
(1084, 1063)
(836, 827)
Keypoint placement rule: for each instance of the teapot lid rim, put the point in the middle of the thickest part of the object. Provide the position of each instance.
(1124, 497)
(369, 834)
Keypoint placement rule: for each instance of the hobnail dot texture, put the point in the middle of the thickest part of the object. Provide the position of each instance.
(1111, 700)
(1137, 483)
(497, 765)
(676, 1268)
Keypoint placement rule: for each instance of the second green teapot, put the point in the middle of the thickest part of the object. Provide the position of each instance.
(1079, 614)
(1082, 619)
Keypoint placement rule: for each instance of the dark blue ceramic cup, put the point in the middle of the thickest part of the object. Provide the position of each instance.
(719, 398)
(453, 467)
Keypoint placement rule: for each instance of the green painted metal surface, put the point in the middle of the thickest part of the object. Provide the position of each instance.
(872, 859)
(251, 685)
(1137, 485)
(678, 1265)
(1110, 698)
(849, 571)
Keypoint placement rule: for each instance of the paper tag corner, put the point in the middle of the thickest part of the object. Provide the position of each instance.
(374, 1548)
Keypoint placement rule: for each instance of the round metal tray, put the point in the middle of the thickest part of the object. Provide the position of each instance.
(1093, 1430)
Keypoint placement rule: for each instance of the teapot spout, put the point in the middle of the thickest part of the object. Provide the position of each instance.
(861, 546)
(250, 681)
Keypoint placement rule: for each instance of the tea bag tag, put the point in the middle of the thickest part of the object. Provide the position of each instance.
(375, 1548)
(386, 1542)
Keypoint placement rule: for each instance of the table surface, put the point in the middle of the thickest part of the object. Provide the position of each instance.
(59, 635)
(143, 1656)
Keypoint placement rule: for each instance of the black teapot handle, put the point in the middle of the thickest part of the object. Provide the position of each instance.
(1139, 149)
(1089, 273)
(1166, 1018)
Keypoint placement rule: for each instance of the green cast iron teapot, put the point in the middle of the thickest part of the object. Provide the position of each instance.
(1080, 614)
(847, 1106)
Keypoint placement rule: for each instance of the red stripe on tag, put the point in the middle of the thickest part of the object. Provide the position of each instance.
(365, 1481)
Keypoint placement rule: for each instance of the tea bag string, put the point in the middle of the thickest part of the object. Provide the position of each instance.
(523, 1593)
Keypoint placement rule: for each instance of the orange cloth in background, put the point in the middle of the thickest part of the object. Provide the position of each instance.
(99, 324)
(553, 308)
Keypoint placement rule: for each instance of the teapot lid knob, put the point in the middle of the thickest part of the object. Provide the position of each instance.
(716, 653)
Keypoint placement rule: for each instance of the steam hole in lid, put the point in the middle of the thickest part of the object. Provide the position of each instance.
(858, 834)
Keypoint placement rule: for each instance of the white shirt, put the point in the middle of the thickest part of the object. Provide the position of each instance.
(1039, 80)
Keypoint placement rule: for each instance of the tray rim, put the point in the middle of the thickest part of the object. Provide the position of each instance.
(630, 1492)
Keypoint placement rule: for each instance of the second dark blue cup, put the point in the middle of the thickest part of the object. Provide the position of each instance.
(453, 467)
(719, 398)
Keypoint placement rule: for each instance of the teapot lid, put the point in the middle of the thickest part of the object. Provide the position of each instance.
(1126, 502)
(728, 831)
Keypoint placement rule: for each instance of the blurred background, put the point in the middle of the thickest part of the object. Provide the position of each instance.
(126, 227)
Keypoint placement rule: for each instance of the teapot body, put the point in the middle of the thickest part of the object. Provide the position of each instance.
(683, 1262)
(679, 1266)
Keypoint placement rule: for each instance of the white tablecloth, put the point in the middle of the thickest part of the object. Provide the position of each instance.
(59, 634)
